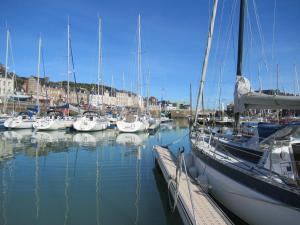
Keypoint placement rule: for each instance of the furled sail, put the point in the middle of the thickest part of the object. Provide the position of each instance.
(245, 98)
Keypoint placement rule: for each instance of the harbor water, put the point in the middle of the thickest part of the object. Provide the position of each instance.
(74, 178)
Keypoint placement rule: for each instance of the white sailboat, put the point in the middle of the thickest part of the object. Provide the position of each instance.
(136, 123)
(92, 121)
(259, 183)
(26, 120)
(55, 120)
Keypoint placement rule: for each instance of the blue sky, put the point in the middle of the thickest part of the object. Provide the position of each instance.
(174, 35)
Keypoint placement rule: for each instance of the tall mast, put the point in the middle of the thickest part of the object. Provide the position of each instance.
(6, 68)
(112, 84)
(99, 53)
(68, 72)
(38, 76)
(148, 90)
(123, 81)
(277, 78)
(260, 85)
(241, 39)
(205, 63)
(139, 78)
(296, 80)
(240, 52)
(191, 108)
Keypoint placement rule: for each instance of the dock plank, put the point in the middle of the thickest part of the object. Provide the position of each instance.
(206, 212)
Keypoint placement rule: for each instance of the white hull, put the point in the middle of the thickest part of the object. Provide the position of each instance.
(251, 206)
(85, 124)
(18, 123)
(132, 127)
(52, 124)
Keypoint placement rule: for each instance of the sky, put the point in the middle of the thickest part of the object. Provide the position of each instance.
(174, 37)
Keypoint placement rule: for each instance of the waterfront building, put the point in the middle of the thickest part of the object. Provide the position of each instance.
(6, 85)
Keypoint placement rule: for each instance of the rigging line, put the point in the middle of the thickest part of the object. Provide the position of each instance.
(73, 71)
(273, 34)
(44, 73)
(218, 39)
(297, 80)
(11, 54)
(263, 52)
(230, 26)
(209, 16)
(250, 34)
(13, 64)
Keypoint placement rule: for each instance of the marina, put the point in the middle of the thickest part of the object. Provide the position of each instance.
(59, 177)
(161, 112)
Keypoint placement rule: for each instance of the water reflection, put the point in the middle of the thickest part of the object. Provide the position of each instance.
(91, 139)
(130, 139)
(50, 178)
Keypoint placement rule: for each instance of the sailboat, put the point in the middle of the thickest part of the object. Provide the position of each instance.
(255, 178)
(25, 120)
(135, 122)
(92, 121)
(55, 120)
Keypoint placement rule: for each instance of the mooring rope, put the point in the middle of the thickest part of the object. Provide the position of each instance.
(179, 164)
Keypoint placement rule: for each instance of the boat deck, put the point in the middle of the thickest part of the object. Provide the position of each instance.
(206, 211)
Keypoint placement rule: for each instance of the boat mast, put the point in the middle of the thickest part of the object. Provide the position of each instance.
(191, 108)
(296, 80)
(38, 76)
(68, 69)
(205, 63)
(240, 54)
(139, 78)
(99, 54)
(148, 90)
(6, 69)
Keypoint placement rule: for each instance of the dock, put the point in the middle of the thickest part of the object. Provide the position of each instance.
(205, 209)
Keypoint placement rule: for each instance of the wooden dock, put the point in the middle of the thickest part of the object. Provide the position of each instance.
(206, 211)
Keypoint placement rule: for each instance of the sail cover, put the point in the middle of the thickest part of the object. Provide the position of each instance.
(245, 98)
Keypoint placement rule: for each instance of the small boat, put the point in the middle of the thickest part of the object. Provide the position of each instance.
(24, 120)
(113, 119)
(133, 124)
(154, 123)
(90, 121)
(165, 119)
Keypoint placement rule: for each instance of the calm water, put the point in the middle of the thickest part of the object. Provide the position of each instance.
(85, 178)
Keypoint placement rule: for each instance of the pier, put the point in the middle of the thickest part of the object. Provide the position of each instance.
(205, 210)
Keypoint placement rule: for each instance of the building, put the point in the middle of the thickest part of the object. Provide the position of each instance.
(6, 86)
(119, 98)
(30, 85)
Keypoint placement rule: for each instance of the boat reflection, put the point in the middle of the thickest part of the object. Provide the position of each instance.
(6, 151)
(131, 139)
(51, 136)
(18, 135)
(92, 139)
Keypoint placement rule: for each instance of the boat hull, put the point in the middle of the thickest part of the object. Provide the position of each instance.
(49, 125)
(84, 124)
(132, 127)
(246, 201)
(13, 123)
